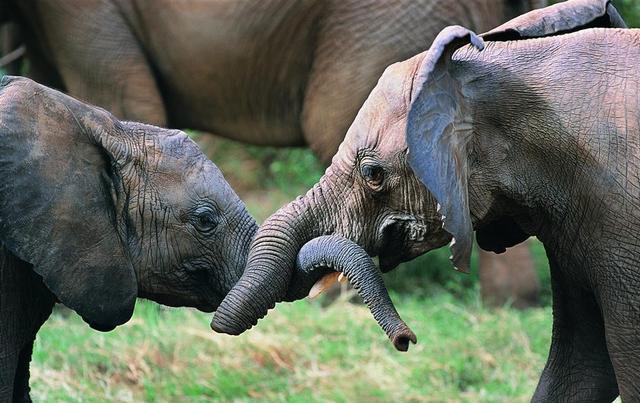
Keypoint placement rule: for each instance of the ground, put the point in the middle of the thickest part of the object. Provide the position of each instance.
(300, 352)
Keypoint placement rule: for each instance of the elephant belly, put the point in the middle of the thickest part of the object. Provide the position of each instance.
(223, 69)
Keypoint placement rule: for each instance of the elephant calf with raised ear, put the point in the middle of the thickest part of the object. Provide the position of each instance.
(533, 129)
(95, 212)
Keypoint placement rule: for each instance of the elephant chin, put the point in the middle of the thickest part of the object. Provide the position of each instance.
(388, 263)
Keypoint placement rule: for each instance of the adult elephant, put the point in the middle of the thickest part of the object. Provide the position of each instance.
(536, 134)
(95, 212)
(277, 72)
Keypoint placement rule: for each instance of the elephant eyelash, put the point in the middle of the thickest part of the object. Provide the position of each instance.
(204, 218)
(205, 221)
(373, 172)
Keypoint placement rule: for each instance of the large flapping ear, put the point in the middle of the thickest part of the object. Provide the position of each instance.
(437, 136)
(561, 18)
(58, 166)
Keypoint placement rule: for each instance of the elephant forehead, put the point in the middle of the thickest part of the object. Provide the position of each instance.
(381, 122)
(396, 83)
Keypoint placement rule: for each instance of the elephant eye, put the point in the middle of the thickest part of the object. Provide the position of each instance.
(205, 221)
(373, 174)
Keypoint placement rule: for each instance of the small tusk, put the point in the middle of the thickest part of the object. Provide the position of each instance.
(322, 284)
(342, 278)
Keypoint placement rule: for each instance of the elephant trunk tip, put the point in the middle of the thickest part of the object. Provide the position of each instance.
(219, 326)
(233, 322)
(402, 338)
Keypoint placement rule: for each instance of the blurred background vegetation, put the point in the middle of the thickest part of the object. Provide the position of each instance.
(630, 11)
(307, 350)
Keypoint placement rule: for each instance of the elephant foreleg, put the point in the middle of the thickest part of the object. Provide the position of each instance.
(8, 363)
(578, 367)
(21, 381)
(509, 277)
(25, 304)
(621, 311)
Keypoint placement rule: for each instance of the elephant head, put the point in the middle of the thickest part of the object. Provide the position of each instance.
(398, 183)
(107, 211)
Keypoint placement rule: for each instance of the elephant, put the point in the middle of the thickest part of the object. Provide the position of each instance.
(531, 129)
(277, 73)
(95, 212)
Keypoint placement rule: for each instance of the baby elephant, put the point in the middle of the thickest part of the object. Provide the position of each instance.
(95, 212)
(531, 129)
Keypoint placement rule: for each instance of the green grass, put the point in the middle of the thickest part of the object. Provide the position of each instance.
(300, 352)
(629, 10)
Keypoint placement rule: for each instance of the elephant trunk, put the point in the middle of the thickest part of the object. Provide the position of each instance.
(270, 266)
(336, 253)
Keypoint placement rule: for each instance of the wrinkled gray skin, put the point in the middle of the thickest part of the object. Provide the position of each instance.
(271, 72)
(95, 212)
(537, 134)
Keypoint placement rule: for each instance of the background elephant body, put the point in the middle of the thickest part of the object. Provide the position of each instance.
(95, 212)
(275, 72)
(532, 131)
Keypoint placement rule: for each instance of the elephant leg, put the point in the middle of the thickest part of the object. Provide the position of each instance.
(621, 313)
(14, 375)
(578, 367)
(108, 69)
(351, 53)
(8, 365)
(25, 304)
(509, 277)
(623, 349)
(21, 381)
(330, 105)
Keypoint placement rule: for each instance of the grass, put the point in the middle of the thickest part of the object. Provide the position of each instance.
(629, 10)
(300, 352)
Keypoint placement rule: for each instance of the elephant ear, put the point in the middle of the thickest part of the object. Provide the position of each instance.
(437, 135)
(561, 18)
(58, 162)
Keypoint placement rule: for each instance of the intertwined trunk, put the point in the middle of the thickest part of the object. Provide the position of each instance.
(271, 263)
